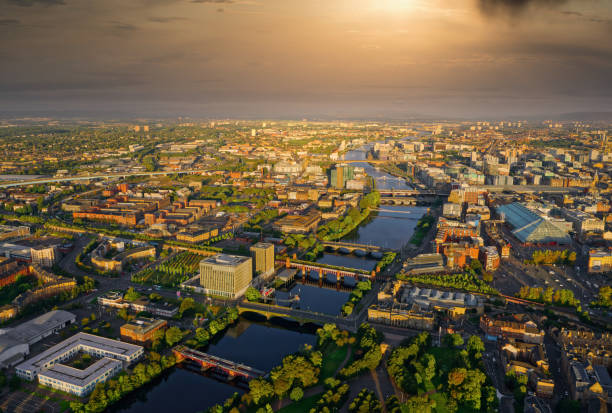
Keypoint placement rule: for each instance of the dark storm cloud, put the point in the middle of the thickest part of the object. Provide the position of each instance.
(9, 22)
(591, 19)
(514, 7)
(29, 3)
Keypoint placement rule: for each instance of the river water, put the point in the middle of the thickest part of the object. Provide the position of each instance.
(183, 390)
(263, 345)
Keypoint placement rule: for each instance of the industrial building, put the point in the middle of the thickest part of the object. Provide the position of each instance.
(15, 342)
(226, 275)
(52, 369)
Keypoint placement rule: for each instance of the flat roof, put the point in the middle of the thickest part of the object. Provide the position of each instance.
(78, 377)
(78, 341)
(29, 331)
(225, 260)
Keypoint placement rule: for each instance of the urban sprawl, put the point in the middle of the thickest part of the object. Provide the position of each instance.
(305, 266)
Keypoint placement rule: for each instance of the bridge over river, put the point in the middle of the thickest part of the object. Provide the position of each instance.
(208, 361)
(350, 323)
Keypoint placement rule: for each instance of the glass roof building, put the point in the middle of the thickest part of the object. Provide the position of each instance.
(531, 228)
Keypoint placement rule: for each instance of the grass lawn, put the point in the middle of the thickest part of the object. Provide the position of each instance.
(440, 399)
(333, 356)
(444, 357)
(303, 405)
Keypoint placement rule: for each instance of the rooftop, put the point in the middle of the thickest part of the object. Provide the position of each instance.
(225, 260)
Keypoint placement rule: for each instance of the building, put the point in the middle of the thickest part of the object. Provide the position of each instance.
(453, 303)
(52, 368)
(196, 235)
(15, 342)
(263, 258)
(340, 175)
(530, 228)
(489, 257)
(451, 210)
(226, 275)
(600, 261)
(141, 329)
(526, 331)
(402, 316)
(298, 224)
(7, 232)
(115, 299)
(45, 255)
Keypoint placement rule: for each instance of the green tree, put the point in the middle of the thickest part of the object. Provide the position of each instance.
(186, 305)
(453, 340)
(252, 294)
(296, 394)
(173, 335)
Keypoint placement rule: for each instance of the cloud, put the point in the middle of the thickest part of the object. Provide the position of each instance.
(9, 22)
(166, 19)
(213, 1)
(514, 7)
(128, 27)
(29, 3)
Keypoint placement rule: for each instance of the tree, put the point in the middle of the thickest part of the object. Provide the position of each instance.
(202, 335)
(252, 294)
(186, 305)
(296, 394)
(131, 295)
(453, 340)
(173, 335)
(475, 346)
(260, 389)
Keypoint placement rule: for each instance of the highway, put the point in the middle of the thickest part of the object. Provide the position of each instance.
(98, 176)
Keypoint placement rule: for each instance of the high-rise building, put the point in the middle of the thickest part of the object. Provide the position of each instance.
(340, 175)
(226, 275)
(263, 258)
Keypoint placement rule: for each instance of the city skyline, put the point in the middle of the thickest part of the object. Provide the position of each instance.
(387, 59)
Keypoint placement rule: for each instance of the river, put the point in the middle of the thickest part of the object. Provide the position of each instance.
(181, 390)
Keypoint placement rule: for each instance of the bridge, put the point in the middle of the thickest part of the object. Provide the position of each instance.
(208, 361)
(410, 192)
(100, 176)
(302, 316)
(351, 247)
(322, 269)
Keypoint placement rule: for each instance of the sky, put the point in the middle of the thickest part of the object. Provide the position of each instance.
(305, 58)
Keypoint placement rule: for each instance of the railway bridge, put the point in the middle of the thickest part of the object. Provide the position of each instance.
(208, 361)
(322, 269)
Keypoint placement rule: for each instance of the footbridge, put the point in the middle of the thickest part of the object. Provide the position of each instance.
(208, 361)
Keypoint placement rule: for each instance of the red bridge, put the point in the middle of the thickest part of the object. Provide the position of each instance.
(208, 361)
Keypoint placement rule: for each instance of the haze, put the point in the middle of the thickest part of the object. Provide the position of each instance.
(306, 58)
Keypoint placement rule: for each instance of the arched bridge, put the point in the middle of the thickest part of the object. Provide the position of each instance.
(322, 269)
(301, 316)
(209, 361)
(352, 246)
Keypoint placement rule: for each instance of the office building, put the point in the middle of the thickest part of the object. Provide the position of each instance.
(340, 175)
(52, 368)
(263, 258)
(226, 275)
(141, 329)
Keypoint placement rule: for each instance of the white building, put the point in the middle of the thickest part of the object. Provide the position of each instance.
(52, 369)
